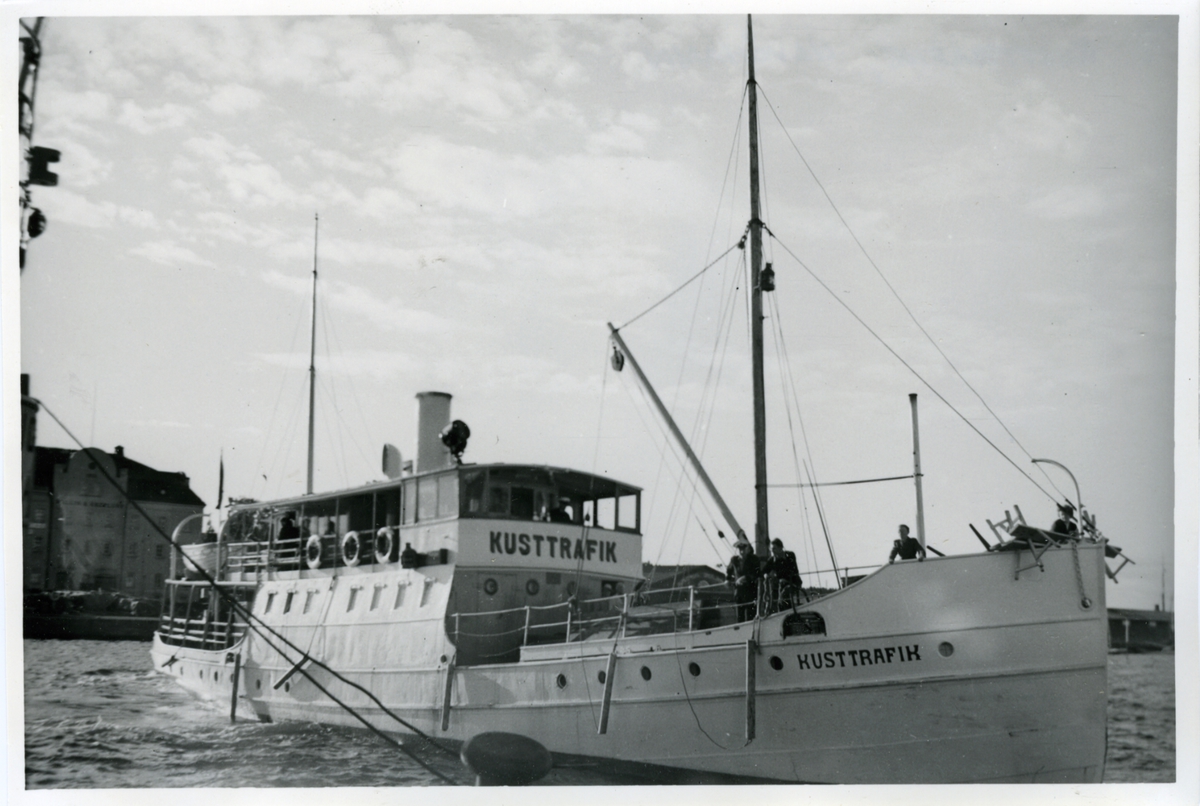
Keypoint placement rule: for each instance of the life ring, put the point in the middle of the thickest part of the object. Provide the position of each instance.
(312, 552)
(384, 545)
(351, 548)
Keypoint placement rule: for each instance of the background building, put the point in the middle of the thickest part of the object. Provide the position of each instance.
(82, 533)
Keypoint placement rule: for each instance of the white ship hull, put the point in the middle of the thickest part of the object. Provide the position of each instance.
(951, 670)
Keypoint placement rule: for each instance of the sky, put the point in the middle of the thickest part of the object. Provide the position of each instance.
(493, 190)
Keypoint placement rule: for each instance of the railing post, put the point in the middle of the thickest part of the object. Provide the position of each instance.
(567, 640)
(457, 617)
(525, 637)
(624, 613)
(691, 606)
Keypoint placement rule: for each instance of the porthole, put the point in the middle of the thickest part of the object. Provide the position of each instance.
(490, 586)
(694, 669)
(776, 663)
(600, 676)
(645, 672)
(945, 649)
(561, 681)
(532, 587)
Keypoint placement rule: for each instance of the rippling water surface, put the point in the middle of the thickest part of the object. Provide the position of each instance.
(97, 716)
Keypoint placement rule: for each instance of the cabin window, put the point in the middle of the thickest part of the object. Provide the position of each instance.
(287, 602)
(498, 500)
(427, 490)
(522, 503)
(474, 484)
(410, 502)
(355, 512)
(387, 508)
(627, 512)
(606, 513)
(447, 506)
(308, 600)
(270, 601)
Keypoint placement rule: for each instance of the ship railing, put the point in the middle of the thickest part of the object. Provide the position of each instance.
(647, 612)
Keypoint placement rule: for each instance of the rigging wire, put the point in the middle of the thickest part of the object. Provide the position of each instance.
(686, 283)
(896, 294)
(334, 345)
(908, 366)
(260, 628)
(790, 385)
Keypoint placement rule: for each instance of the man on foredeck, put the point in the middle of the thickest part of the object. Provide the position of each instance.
(743, 573)
(906, 547)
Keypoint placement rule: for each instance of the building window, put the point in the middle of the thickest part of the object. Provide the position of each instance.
(159, 550)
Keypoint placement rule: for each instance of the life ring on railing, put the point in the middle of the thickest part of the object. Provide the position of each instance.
(384, 545)
(312, 552)
(351, 548)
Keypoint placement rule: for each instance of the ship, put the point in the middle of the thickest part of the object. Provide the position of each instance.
(460, 599)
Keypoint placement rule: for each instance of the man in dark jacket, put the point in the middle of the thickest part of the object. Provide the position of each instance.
(743, 572)
(780, 568)
(1065, 525)
(906, 548)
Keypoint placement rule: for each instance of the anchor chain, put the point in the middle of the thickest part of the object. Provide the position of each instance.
(1084, 600)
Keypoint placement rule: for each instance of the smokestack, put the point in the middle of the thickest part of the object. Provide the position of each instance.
(433, 415)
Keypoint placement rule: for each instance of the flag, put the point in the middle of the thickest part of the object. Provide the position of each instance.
(221, 481)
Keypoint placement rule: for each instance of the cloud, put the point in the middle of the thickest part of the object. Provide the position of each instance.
(232, 98)
(1045, 127)
(363, 305)
(72, 208)
(168, 253)
(1072, 202)
(148, 121)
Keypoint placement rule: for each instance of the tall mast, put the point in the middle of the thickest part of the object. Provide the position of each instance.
(312, 359)
(761, 534)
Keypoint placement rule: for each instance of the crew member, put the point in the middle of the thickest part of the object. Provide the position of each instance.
(780, 568)
(743, 573)
(906, 547)
(287, 528)
(1065, 525)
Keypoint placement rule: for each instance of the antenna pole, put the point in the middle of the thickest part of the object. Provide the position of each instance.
(912, 399)
(761, 532)
(312, 359)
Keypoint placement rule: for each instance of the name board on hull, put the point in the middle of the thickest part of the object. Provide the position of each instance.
(551, 546)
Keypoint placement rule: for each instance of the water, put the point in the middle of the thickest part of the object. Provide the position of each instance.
(97, 716)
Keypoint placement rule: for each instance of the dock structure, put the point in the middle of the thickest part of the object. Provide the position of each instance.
(1140, 630)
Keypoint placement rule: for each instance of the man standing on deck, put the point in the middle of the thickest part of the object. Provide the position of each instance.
(906, 548)
(1065, 525)
(743, 573)
(780, 567)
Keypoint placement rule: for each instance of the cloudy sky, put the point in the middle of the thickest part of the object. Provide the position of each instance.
(493, 190)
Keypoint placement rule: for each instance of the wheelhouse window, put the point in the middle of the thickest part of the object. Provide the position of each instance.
(550, 494)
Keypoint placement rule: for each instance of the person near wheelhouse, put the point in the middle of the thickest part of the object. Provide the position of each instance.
(1065, 525)
(906, 547)
(783, 577)
(743, 572)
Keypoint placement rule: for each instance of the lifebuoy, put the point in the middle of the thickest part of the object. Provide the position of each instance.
(384, 545)
(312, 552)
(351, 548)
